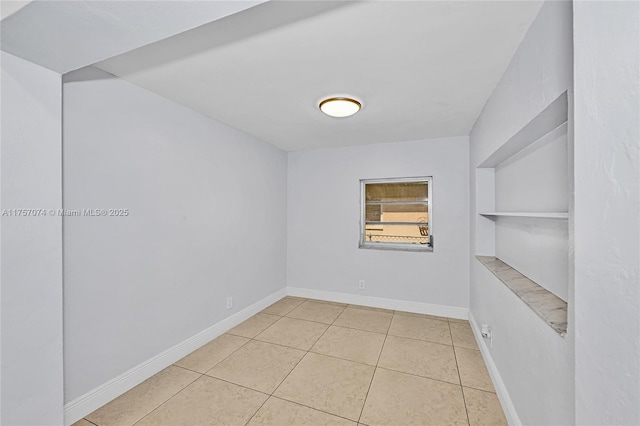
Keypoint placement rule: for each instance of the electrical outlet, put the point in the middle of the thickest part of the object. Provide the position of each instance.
(361, 284)
(229, 302)
(487, 333)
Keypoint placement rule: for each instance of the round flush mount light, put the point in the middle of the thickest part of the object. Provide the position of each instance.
(340, 107)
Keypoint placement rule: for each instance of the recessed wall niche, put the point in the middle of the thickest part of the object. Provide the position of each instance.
(522, 200)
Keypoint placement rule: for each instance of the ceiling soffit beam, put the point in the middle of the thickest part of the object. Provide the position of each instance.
(66, 35)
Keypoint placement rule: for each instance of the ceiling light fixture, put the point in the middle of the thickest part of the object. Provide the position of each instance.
(340, 107)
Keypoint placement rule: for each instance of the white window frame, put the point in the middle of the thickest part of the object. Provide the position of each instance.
(364, 244)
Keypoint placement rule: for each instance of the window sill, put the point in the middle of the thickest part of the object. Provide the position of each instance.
(545, 304)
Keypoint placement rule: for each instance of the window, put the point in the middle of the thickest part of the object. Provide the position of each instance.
(396, 214)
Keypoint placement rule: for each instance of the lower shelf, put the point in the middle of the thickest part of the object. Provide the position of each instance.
(545, 304)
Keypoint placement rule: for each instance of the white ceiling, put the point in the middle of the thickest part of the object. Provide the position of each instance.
(9, 7)
(421, 68)
(67, 35)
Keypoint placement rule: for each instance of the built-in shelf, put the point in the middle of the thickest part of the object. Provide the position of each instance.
(545, 304)
(544, 215)
(551, 118)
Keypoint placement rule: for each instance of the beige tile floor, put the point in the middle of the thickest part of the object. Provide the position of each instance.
(308, 362)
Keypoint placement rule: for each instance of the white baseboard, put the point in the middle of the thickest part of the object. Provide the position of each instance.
(96, 398)
(379, 302)
(501, 390)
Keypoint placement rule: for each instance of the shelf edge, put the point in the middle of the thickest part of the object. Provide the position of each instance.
(545, 304)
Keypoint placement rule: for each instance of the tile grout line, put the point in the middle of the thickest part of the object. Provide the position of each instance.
(309, 351)
(359, 329)
(184, 368)
(312, 408)
(167, 400)
(481, 390)
(298, 363)
(375, 369)
(394, 313)
(192, 382)
(455, 357)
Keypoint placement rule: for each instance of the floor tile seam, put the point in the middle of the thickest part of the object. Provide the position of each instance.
(267, 313)
(325, 331)
(168, 399)
(420, 340)
(238, 384)
(185, 368)
(459, 323)
(289, 373)
(280, 344)
(464, 400)
(295, 298)
(282, 381)
(317, 322)
(330, 324)
(312, 408)
(89, 421)
(256, 412)
(366, 396)
(269, 343)
(470, 349)
(464, 347)
(246, 386)
(454, 343)
(483, 363)
(240, 335)
(294, 308)
(425, 316)
(324, 302)
(371, 308)
(247, 337)
(342, 359)
(357, 329)
(300, 360)
(421, 377)
(390, 322)
(424, 340)
(289, 311)
(302, 319)
(234, 351)
(329, 302)
(481, 390)
(344, 308)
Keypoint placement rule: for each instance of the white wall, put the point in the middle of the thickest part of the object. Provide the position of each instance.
(207, 220)
(324, 215)
(31, 293)
(607, 209)
(533, 361)
(535, 180)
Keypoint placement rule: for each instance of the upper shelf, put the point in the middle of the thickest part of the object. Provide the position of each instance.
(544, 215)
(552, 117)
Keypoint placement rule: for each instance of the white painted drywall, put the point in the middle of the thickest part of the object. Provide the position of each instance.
(31, 293)
(207, 220)
(534, 362)
(607, 212)
(324, 215)
(535, 180)
(67, 35)
(420, 68)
